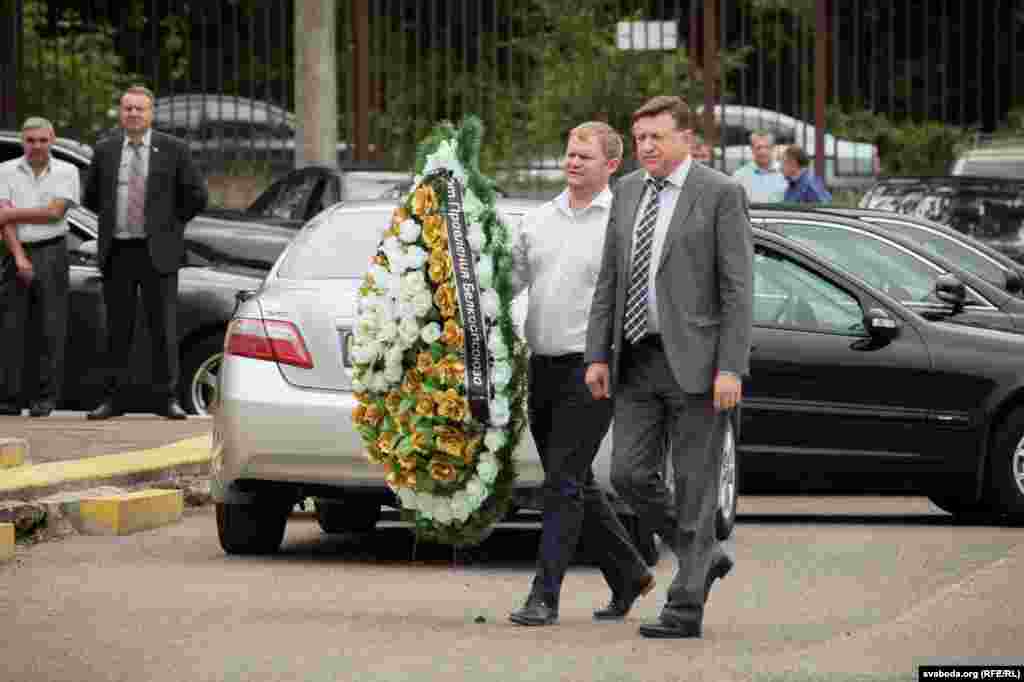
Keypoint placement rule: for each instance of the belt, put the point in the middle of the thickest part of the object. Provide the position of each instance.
(567, 359)
(59, 239)
(648, 341)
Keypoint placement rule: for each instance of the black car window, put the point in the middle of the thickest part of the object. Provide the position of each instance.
(287, 198)
(947, 247)
(337, 245)
(994, 168)
(884, 265)
(787, 294)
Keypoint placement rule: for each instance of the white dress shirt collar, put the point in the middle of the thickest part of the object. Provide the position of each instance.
(677, 177)
(602, 199)
(147, 139)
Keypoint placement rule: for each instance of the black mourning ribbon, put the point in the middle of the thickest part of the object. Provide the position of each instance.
(474, 325)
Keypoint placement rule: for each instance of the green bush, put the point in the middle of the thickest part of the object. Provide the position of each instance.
(907, 147)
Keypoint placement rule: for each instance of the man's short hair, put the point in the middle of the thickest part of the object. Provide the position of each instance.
(666, 103)
(140, 90)
(34, 122)
(763, 134)
(608, 137)
(795, 152)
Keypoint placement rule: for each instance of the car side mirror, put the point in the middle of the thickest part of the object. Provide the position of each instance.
(1014, 283)
(881, 325)
(951, 290)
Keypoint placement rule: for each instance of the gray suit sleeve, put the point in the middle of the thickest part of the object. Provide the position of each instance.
(735, 280)
(602, 308)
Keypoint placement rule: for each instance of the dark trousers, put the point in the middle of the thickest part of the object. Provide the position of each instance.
(130, 271)
(568, 425)
(38, 312)
(650, 407)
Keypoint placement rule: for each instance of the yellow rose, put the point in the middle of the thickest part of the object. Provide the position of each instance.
(410, 479)
(453, 445)
(407, 463)
(358, 414)
(373, 454)
(386, 442)
(435, 232)
(472, 447)
(450, 404)
(423, 200)
(424, 406)
(394, 480)
(421, 441)
(392, 402)
(440, 266)
(444, 299)
(442, 431)
(443, 471)
(399, 216)
(452, 334)
(413, 381)
(451, 370)
(373, 416)
(425, 363)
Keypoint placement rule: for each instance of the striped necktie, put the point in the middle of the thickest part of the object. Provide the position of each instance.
(636, 298)
(136, 191)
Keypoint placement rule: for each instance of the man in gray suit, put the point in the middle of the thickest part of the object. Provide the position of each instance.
(669, 336)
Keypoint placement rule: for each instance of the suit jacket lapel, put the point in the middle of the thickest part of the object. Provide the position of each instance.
(631, 197)
(684, 204)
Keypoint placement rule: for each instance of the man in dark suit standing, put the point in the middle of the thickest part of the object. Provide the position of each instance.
(669, 334)
(144, 187)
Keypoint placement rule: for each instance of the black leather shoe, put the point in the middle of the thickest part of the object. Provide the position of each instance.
(619, 606)
(43, 408)
(534, 612)
(106, 410)
(173, 410)
(720, 568)
(664, 629)
(8, 410)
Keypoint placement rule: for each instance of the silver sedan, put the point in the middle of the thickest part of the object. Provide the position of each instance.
(283, 431)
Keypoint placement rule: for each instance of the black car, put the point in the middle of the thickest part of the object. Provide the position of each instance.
(971, 254)
(206, 301)
(989, 209)
(924, 281)
(847, 380)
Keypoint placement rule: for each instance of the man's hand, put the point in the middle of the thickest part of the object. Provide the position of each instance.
(728, 391)
(597, 380)
(25, 273)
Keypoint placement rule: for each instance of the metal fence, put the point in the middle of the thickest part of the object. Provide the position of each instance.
(960, 62)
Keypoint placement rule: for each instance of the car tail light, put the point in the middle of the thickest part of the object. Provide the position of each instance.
(274, 340)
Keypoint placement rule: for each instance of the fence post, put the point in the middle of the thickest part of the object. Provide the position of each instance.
(10, 62)
(710, 67)
(821, 43)
(316, 83)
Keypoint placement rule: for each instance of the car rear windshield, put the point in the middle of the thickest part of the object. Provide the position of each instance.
(338, 245)
(994, 168)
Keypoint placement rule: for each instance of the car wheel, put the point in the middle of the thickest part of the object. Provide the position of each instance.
(200, 386)
(728, 486)
(1006, 466)
(352, 515)
(256, 528)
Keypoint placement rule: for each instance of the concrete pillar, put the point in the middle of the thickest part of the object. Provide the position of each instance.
(316, 82)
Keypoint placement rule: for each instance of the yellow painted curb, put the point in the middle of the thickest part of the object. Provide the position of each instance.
(189, 451)
(6, 542)
(130, 512)
(12, 452)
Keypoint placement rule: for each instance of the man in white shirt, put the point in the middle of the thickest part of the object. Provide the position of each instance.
(762, 178)
(558, 257)
(36, 191)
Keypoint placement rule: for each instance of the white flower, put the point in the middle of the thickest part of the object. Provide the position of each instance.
(487, 468)
(366, 353)
(409, 231)
(380, 383)
(443, 513)
(394, 374)
(485, 273)
(412, 284)
(381, 276)
(407, 496)
(416, 257)
(393, 356)
(424, 302)
(431, 332)
(387, 331)
(500, 411)
(445, 157)
(494, 440)
(357, 385)
(501, 374)
(408, 330)
(475, 237)
(476, 490)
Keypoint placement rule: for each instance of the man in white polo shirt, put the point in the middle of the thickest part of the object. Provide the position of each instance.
(36, 191)
(762, 178)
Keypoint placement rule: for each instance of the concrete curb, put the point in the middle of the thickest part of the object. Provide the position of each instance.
(189, 457)
(13, 452)
(6, 542)
(129, 512)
